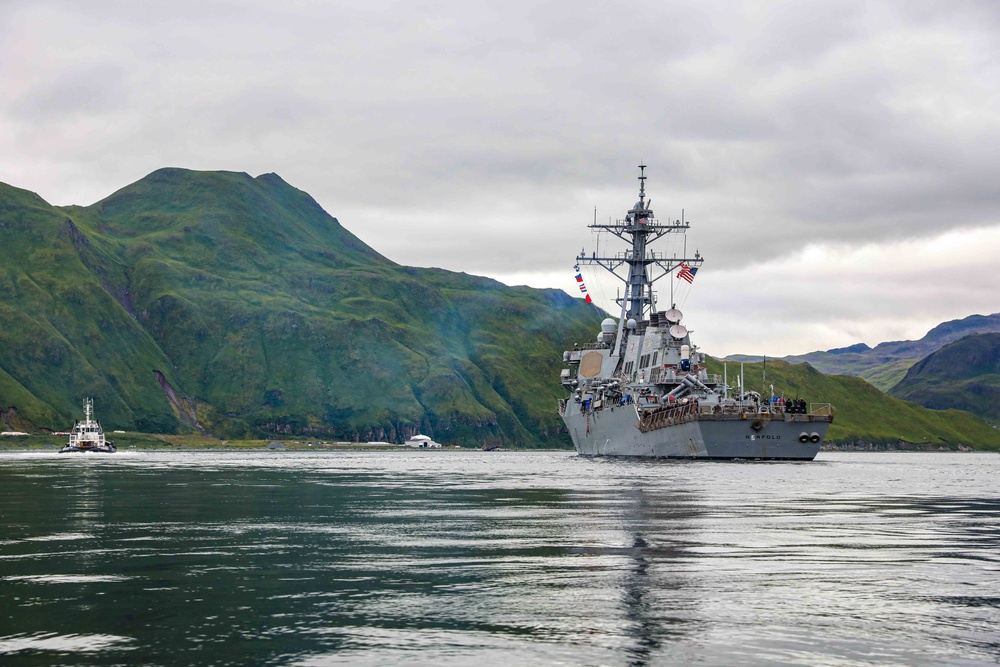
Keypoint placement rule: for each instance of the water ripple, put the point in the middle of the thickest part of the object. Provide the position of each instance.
(63, 644)
(67, 578)
(498, 558)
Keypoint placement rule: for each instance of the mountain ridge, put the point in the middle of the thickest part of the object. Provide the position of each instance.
(263, 314)
(964, 374)
(885, 364)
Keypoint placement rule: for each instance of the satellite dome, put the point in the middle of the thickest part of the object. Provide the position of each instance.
(609, 325)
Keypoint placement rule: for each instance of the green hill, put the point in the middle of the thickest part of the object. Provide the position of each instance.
(64, 336)
(964, 374)
(863, 413)
(238, 305)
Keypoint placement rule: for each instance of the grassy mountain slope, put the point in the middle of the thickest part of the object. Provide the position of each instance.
(266, 316)
(863, 412)
(63, 335)
(886, 376)
(886, 363)
(964, 374)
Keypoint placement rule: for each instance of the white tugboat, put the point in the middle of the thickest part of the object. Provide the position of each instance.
(643, 389)
(87, 435)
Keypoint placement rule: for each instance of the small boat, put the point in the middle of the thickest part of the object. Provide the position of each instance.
(87, 435)
(422, 442)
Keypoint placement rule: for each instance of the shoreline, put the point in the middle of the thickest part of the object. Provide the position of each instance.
(133, 441)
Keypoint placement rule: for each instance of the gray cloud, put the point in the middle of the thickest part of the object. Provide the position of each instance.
(481, 137)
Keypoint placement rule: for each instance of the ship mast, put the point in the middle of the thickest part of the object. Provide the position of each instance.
(639, 229)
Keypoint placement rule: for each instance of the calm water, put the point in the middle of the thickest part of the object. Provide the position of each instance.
(375, 558)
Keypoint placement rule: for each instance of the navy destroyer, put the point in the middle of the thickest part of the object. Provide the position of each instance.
(643, 388)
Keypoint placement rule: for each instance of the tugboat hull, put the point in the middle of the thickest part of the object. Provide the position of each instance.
(106, 449)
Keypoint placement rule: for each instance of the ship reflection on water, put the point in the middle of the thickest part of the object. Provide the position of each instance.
(497, 558)
(658, 604)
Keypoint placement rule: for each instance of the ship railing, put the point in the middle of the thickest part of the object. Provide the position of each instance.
(746, 410)
(660, 375)
(671, 415)
(668, 416)
(650, 255)
(769, 411)
(563, 402)
(652, 223)
(592, 346)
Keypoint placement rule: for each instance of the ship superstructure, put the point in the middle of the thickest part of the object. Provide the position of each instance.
(643, 388)
(87, 435)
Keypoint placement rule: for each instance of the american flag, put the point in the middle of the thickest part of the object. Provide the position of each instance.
(687, 272)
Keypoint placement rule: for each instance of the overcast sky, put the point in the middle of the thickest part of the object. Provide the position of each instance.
(839, 161)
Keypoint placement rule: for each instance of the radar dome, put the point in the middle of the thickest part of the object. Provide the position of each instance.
(609, 325)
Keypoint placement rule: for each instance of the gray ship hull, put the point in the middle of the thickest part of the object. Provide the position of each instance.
(704, 436)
